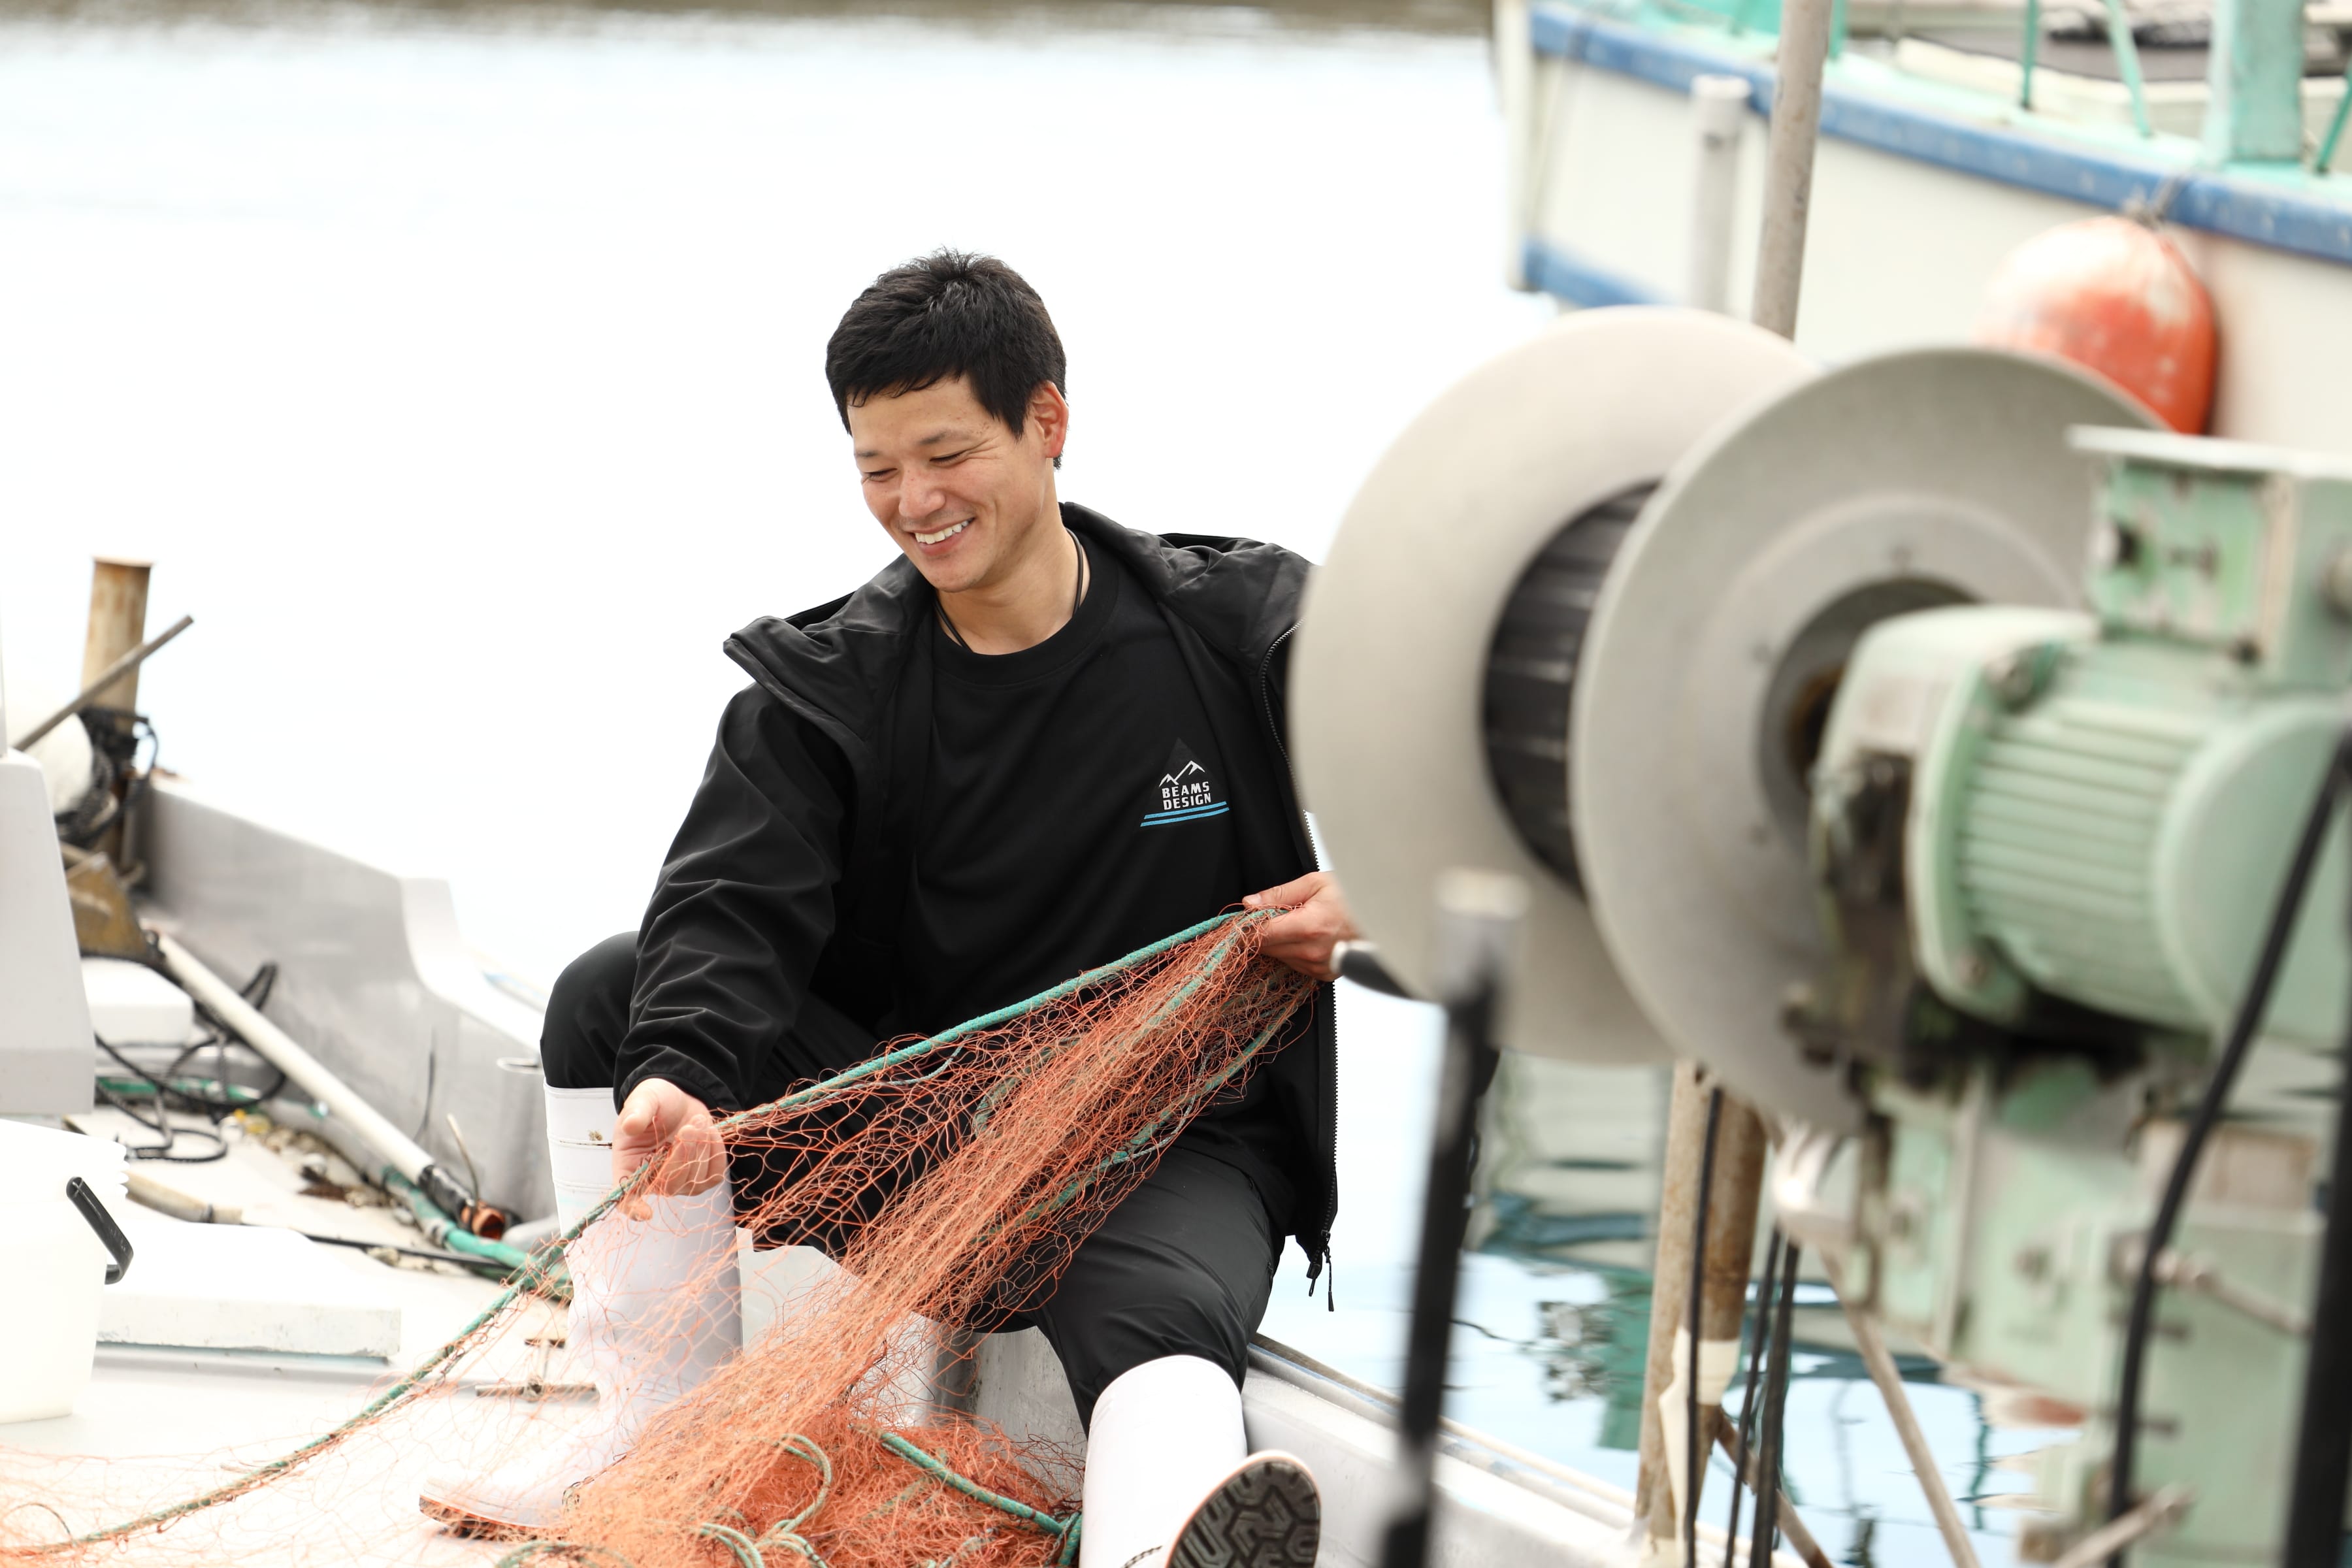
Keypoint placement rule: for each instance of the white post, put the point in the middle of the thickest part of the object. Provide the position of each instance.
(1720, 110)
(1515, 63)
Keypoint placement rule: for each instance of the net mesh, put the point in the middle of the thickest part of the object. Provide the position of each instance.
(952, 1178)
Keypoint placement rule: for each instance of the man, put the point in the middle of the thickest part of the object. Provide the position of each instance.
(1037, 742)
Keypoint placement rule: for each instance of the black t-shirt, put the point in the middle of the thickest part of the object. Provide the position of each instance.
(1074, 811)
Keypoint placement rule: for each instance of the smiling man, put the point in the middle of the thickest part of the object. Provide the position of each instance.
(1035, 742)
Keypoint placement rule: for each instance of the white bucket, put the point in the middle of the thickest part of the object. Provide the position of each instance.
(57, 1265)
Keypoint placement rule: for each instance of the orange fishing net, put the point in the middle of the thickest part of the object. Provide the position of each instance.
(1001, 1143)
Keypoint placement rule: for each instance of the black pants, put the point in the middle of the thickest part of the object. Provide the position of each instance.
(1181, 1267)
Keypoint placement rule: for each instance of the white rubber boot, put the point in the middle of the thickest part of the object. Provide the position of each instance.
(656, 1307)
(1165, 1438)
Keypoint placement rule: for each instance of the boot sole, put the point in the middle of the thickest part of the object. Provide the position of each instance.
(1267, 1514)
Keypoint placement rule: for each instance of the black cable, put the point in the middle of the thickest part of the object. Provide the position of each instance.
(1770, 1424)
(162, 1126)
(256, 991)
(2323, 1446)
(2236, 1044)
(1757, 1340)
(215, 1109)
(477, 1266)
(1469, 1065)
(1691, 1447)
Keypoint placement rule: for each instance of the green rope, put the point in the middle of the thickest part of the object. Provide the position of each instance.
(916, 1048)
(746, 1553)
(409, 1383)
(806, 1448)
(938, 1469)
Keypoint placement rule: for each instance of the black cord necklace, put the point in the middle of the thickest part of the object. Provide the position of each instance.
(1077, 596)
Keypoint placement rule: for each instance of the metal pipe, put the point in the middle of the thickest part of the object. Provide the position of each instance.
(2326, 155)
(2029, 52)
(1867, 1339)
(1515, 74)
(402, 1155)
(1789, 162)
(1655, 1516)
(2127, 53)
(1719, 112)
(127, 665)
(1677, 1368)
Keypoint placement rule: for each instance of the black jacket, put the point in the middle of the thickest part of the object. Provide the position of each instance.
(789, 877)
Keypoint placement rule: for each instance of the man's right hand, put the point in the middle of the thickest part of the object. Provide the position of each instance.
(662, 1121)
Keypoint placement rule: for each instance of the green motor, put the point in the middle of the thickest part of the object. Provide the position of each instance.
(2101, 806)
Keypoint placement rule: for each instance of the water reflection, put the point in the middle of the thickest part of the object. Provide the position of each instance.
(1568, 1191)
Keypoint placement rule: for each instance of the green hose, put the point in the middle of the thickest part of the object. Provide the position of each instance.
(443, 1232)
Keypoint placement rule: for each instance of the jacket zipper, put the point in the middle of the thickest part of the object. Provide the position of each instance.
(1321, 1264)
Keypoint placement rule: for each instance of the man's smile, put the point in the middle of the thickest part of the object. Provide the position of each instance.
(944, 534)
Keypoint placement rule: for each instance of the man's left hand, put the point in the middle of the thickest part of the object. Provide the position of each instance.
(1316, 920)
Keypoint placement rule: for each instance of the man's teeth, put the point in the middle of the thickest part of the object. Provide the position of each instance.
(943, 533)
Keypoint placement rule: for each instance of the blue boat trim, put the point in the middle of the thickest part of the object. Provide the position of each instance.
(2218, 202)
(1564, 274)
(1161, 818)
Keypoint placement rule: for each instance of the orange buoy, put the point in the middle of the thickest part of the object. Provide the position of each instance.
(2112, 295)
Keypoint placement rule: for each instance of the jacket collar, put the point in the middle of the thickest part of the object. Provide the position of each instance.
(844, 658)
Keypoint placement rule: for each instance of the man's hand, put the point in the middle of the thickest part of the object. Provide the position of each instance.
(662, 1121)
(1317, 922)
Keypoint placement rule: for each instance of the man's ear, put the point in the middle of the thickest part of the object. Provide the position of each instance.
(1049, 416)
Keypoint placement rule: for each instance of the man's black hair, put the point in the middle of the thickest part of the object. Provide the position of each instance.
(943, 315)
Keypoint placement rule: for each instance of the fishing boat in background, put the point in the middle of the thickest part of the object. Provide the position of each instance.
(1950, 134)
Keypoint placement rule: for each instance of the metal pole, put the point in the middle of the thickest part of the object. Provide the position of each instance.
(1735, 1185)
(2127, 53)
(91, 691)
(1789, 162)
(1874, 1356)
(1720, 111)
(2029, 50)
(1478, 921)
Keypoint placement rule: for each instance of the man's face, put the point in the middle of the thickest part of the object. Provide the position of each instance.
(957, 491)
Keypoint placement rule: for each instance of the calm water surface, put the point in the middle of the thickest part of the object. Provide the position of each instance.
(461, 370)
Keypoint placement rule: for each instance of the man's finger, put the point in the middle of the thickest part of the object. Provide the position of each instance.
(1297, 891)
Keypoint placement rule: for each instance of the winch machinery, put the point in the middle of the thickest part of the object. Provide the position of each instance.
(1922, 745)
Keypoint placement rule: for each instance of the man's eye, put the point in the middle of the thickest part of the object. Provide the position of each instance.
(878, 474)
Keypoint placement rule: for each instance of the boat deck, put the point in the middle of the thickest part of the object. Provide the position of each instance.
(275, 1338)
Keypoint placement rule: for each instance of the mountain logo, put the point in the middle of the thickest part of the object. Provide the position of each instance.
(1185, 792)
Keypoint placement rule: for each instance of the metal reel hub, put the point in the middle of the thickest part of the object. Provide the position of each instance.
(1918, 478)
(1389, 671)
